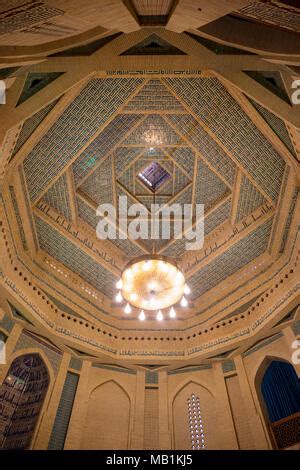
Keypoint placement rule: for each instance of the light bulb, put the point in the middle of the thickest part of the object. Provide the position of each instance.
(127, 309)
(159, 316)
(183, 302)
(163, 266)
(119, 297)
(187, 290)
(178, 278)
(142, 316)
(128, 273)
(146, 265)
(172, 313)
(119, 284)
(135, 268)
(133, 297)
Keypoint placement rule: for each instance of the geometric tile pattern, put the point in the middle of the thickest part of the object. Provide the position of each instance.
(138, 136)
(30, 14)
(249, 199)
(88, 215)
(124, 156)
(31, 124)
(75, 364)
(211, 221)
(76, 125)
(109, 166)
(64, 251)
(231, 261)
(58, 197)
(154, 96)
(209, 187)
(184, 157)
(63, 414)
(102, 145)
(99, 186)
(210, 100)
(274, 14)
(7, 323)
(180, 179)
(276, 124)
(205, 145)
(127, 179)
(228, 365)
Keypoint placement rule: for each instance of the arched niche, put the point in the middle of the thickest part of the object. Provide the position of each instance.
(22, 395)
(107, 421)
(278, 390)
(182, 436)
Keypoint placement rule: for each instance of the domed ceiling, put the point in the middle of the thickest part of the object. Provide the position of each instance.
(77, 137)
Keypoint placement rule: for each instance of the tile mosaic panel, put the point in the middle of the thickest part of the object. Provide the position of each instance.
(249, 199)
(210, 100)
(99, 186)
(205, 145)
(58, 197)
(74, 258)
(209, 187)
(231, 261)
(154, 96)
(73, 129)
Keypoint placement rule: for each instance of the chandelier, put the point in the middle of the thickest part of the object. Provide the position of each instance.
(152, 283)
(154, 136)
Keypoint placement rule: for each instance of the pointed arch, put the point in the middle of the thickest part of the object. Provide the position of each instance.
(107, 421)
(181, 435)
(278, 389)
(22, 395)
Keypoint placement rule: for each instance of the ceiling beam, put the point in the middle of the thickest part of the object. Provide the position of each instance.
(77, 154)
(46, 124)
(220, 144)
(119, 142)
(194, 261)
(210, 211)
(185, 138)
(72, 195)
(284, 202)
(295, 139)
(94, 206)
(100, 250)
(236, 196)
(259, 93)
(75, 71)
(262, 125)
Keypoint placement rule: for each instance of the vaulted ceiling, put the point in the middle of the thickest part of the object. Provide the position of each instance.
(75, 137)
(94, 151)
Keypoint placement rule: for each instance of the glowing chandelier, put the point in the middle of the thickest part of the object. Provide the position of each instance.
(152, 283)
